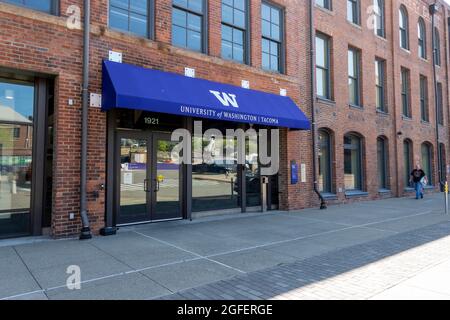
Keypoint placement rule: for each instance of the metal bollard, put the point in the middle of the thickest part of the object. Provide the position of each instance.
(446, 197)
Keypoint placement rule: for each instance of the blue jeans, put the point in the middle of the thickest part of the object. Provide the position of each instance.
(419, 190)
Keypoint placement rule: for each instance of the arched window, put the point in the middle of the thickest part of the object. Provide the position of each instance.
(378, 6)
(382, 163)
(422, 38)
(426, 150)
(325, 161)
(404, 27)
(353, 175)
(437, 47)
(407, 160)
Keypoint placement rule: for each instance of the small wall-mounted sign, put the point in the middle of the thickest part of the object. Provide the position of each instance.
(303, 173)
(283, 92)
(95, 100)
(115, 56)
(189, 72)
(294, 172)
(245, 84)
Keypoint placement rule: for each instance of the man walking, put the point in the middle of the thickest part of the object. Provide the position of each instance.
(418, 177)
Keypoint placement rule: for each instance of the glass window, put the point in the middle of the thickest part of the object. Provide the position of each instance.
(378, 6)
(426, 162)
(215, 184)
(353, 77)
(403, 25)
(323, 81)
(382, 163)
(324, 4)
(352, 162)
(16, 156)
(405, 93)
(48, 6)
(188, 24)
(325, 164)
(272, 38)
(130, 16)
(440, 104)
(437, 47)
(353, 11)
(422, 38)
(252, 174)
(380, 71)
(407, 161)
(424, 99)
(234, 30)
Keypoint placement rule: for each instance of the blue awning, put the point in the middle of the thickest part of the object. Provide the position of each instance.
(132, 87)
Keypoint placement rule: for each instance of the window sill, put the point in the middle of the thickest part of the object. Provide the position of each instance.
(409, 189)
(129, 34)
(329, 196)
(405, 50)
(425, 122)
(424, 59)
(328, 11)
(383, 113)
(356, 193)
(357, 26)
(356, 107)
(384, 191)
(326, 101)
(406, 118)
(383, 38)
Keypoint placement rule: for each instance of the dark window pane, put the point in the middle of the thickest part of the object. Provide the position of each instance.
(138, 24)
(227, 50)
(194, 22)
(139, 6)
(118, 19)
(266, 29)
(227, 33)
(181, 3)
(238, 53)
(179, 36)
(239, 18)
(194, 40)
(265, 12)
(179, 18)
(265, 61)
(227, 14)
(238, 37)
(265, 46)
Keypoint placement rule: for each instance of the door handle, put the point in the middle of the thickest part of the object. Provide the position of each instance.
(157, 185)
(146, 185)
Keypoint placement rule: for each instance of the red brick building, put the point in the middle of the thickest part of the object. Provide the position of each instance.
(131, 177)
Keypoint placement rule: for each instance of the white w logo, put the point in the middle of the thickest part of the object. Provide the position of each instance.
(226, 98)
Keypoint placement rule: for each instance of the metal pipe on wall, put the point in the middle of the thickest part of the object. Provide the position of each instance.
(85, 229)
(433, 9)
(323, 204)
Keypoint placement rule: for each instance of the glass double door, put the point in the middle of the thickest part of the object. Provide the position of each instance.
(149, 178)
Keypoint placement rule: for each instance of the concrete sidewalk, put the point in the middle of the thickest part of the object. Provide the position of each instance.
(167, 259)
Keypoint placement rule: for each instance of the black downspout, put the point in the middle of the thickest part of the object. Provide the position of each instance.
(433, 9)
(312, 62)
(85, 229)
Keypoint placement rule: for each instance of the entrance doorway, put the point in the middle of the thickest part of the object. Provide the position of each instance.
(149, 186)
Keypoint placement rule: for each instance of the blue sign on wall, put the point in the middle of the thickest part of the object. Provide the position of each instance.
(294, 172)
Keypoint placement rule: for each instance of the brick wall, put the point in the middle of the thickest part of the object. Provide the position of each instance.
(340, 118)
(38, 42)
